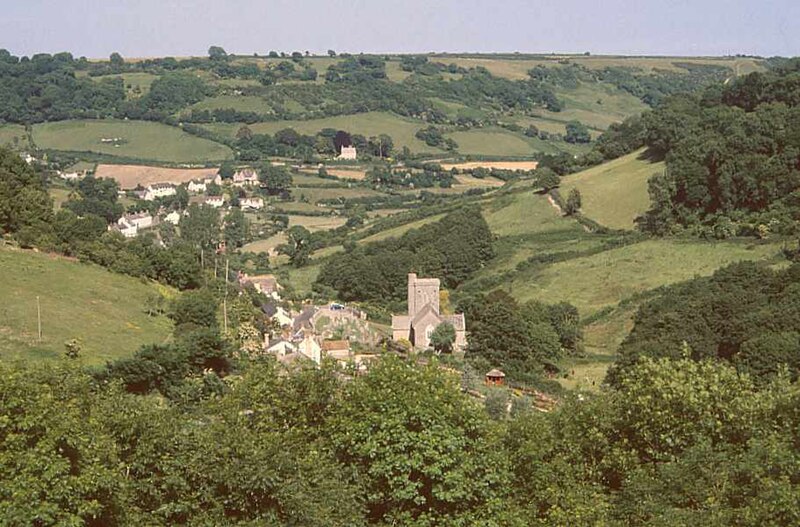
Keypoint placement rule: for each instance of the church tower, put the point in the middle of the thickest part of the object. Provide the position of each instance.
(421, 292)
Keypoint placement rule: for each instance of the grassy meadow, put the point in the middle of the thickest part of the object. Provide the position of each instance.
(140, 139)
(103, 310)
(13, 136)
(614, 193)
(602, 280)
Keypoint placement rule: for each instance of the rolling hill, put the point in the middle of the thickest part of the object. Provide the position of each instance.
(103, 310)
(614, 193)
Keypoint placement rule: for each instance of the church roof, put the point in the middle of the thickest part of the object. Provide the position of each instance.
(424, 312)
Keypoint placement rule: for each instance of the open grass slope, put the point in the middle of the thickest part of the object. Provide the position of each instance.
(105, 311)
(597, 105)
(13, 136)
(614, 193)
(604, 279)
(139, 139)
(368, 124)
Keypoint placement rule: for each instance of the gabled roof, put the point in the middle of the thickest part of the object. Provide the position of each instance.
(269, 309)
(304, 318)
(423, 313)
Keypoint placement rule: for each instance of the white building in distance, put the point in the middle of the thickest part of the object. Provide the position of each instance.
(246, 177)
(173, 217)
(197, 187)
(252, 203)
(348, 153)
(215, 201)
(158, 190)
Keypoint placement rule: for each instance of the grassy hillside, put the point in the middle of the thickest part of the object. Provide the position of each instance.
(368, 124)
(614, 193)
(602, 280)
(13, 135)
(241, 103)
(140, 139)
(105, 311)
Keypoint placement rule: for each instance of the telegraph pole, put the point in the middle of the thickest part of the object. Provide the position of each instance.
(39, 317)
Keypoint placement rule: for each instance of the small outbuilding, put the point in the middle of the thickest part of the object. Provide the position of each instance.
(495, 377)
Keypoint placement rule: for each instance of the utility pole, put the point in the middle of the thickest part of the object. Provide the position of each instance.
(39, 317)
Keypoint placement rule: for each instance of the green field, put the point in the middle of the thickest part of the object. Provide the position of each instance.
(314, 194)
(614, 193)
(401, 130)
(59, 195)
(13, 135)
(241, 103)
(265, 245)
(140, 139)
(396, 232)
(105, 311)
(522, 213)
(596, 105)
(491, 142)
(136, 84)
(602, 280)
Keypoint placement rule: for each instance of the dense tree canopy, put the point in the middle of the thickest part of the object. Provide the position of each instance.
(745, 314)
(450, 249)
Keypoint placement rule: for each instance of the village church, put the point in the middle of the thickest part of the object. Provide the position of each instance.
(423, 315)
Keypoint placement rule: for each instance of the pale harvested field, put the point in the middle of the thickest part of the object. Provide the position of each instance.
(130, 176)
(500, 165)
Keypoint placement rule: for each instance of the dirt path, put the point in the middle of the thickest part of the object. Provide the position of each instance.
(554, 204)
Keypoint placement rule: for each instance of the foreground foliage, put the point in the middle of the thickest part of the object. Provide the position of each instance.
(678, 442)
